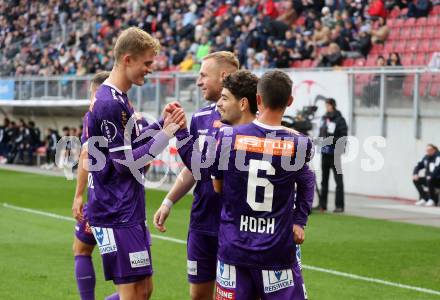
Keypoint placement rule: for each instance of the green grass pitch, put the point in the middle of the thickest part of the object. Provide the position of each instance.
(36, 259)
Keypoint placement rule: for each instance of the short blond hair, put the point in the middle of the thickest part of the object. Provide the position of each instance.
(134, 41)
(224, 58)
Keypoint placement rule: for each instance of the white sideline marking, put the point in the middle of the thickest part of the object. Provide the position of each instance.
(328, 271)
(59, 217)
(407, 208)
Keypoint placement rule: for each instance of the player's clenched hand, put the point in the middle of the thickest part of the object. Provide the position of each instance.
(170, 107)
(298, 234)
(174, 121)
(160, 217)
(77, 208)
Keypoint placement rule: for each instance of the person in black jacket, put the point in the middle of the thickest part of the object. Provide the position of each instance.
(4, 140)
(431, 164)
(333, 126)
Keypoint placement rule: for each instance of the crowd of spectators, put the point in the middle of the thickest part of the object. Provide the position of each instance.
(52, 37)
(21, 142)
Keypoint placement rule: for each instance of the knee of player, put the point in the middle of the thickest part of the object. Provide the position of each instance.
(198, 294)
(80, 248)
(144, 293)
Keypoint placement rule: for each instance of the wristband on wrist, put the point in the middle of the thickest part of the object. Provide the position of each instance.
(168, 203)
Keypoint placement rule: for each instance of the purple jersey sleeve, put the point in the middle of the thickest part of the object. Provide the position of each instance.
(85, 132)
(305, 187)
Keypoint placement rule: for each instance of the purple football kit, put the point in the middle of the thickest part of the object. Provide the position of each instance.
(82, 229)
(260, 166)
(205, 212)
(117, 210)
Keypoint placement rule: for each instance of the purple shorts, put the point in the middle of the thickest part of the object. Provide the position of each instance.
(202, 257)
(125, 252)
(83, 232)
(244, 283)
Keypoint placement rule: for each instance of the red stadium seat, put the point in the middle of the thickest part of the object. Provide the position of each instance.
(359, 62)
(428, 32)
(402, 47)
(389, 47)
(371, 61)
(410, 22)
(377, 49)
(296, 64)
(408, 86)
(433, 21)
(425, 46)
(348, 62)
(421, 21)
(406, 33)
(435, 45)
(423, 88)
(435, 90)
(426, 77)
(307, 63)
(398, 23)
(394, 34)
(435, 10)
(420, 59)
(315, 63)
(407, 59)
(417, 33)
(411, 47)
(436, 78)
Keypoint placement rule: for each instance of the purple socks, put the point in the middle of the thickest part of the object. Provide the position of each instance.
(85, 277)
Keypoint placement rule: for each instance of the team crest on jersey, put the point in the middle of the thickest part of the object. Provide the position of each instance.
(139, 259)
(226, 275)
(109, 130)
(224, 294)
(105, 239)
(277, 280)
(263, 145)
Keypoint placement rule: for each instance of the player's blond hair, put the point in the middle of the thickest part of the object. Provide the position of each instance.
(134, 41)
(224, 58)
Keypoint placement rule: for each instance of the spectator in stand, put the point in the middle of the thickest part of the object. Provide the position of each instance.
(332, 57)
(430, 163)
(4, 141)
(377, 9)
(419, 8)
(380, 34)
(51, 140)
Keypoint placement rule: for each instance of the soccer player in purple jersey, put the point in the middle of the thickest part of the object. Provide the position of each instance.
(237, 105)
(116, 163)
(205, 212)
(84, 242)
(256, 169)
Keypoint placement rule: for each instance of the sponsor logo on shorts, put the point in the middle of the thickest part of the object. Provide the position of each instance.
(223, 294)
(105, 239)
(226, 275)
(277, 280)
(139, 259)
(192, 267)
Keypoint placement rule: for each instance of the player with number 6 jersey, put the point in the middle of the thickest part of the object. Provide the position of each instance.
(256, 239)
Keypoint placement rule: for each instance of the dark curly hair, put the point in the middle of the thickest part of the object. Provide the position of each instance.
(243, 84)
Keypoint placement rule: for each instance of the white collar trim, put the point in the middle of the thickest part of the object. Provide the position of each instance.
(107, 83)
(259, 124)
